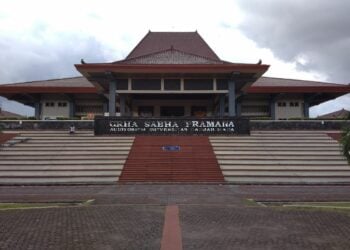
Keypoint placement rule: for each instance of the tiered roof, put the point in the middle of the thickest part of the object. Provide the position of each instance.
(262, 85)
(173, 52)
(187, 42)
(340, 114)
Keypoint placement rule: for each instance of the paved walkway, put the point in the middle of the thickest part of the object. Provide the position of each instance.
(173, 217)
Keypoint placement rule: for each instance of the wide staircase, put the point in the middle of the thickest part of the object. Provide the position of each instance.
(265, 157)
(171, 159)
(56, 157)
(286, 157)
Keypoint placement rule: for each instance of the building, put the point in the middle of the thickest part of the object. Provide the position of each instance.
(172, 74)
(7, 114)
(340, 114)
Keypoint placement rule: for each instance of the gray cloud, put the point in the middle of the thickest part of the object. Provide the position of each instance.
(39, 55)
(315, 30)
(43, 57)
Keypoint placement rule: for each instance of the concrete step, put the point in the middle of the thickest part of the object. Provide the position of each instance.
(48, 174)
(262, 148)
(283, 168)
(288, 173)
(280, 157)
(228, 152)
(56, 131)
(287, 180)
(75, 138)
(58, 152)
(61, 167)
(59, 157)
(290, 145)
(64, 149)
(266, 142)
(282, 136)
(32, 141)
(269, 138)
(58, 180)
(273, 136)
(48, 135)
(112, 144)
(59, 162)
(284, 162)
(289, 132)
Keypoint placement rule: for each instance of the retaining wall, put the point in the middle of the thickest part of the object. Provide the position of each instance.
(255, 125)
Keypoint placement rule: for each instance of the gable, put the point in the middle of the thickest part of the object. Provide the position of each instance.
(188, 42)
(170, 56)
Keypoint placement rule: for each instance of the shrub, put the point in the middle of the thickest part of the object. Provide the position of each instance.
(345, 142)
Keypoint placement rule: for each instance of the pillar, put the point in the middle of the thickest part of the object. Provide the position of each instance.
(112, 90)
(231, 98)
(37, 107)
(273, 108)
(239, 108)
(122, 105)
(71, 109)
(306, 109)
(221, 105)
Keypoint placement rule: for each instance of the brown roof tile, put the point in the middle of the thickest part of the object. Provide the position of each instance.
(283, 82)
(281, 85)
(4, 113)
(74, 82)
(343, 113)
(170, 56)
(188, 42)
(262, 85)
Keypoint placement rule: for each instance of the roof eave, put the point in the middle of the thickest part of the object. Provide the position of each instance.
(46, 90)
(171, 68)
(304, 89)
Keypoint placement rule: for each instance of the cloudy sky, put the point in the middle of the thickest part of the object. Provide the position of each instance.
(299, 39)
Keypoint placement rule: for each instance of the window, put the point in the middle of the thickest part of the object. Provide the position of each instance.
(122, 84)
(62, 104)
(221, 84)
(172, 84)
(281, 104)
(49, 104)
(145, 84)
(294, 104)
(198, 84)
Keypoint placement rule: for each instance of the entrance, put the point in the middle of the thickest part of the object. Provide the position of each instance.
(171, 111)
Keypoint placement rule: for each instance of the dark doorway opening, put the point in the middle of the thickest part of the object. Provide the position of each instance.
(172, 111)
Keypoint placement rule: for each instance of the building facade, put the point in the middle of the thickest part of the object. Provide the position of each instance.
(172, 74)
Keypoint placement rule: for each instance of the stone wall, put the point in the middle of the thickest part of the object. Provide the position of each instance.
(299, 125)
(48, 125)
(255, 125)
